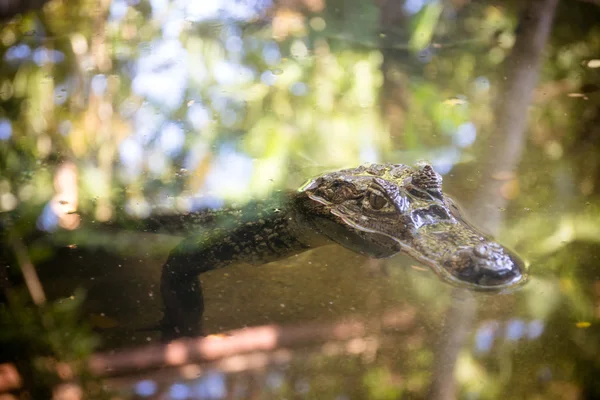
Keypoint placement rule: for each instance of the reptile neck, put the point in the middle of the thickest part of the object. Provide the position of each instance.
(258, 233)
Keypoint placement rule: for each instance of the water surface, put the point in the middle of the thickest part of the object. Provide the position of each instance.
(126, 108)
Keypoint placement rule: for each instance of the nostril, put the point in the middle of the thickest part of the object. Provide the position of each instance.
(480, 250)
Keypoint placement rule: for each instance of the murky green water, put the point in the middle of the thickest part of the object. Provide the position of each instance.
(123, 109)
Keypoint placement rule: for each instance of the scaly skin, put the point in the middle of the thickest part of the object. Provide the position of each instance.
(376, 210)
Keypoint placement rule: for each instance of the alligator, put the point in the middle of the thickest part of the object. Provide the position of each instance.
(378, 210)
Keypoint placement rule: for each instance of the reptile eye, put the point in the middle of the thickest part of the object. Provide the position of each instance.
(376, 201)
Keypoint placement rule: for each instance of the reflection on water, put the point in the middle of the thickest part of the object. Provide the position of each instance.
(129, 109)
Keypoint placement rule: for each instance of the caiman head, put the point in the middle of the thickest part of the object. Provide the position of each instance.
(381, 210)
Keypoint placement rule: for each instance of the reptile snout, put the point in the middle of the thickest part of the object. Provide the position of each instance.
(486, 265)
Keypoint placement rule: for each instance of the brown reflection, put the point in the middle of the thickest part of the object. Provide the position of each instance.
(498, 182)
(456, 328)
(9, 378)
(30, 276)
(506, 144)
(394, 93)
(241, 349)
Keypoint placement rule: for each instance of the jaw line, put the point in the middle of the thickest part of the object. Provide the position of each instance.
(440, 271)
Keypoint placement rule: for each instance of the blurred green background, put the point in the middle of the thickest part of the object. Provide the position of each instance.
(120, 109)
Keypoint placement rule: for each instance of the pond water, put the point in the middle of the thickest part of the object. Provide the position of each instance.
(121, 110)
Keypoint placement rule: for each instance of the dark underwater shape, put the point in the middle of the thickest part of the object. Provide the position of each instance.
(376, 210)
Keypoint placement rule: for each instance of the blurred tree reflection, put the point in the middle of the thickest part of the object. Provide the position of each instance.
(117, 109)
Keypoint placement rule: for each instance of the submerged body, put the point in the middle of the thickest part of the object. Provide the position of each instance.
(376, 210)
